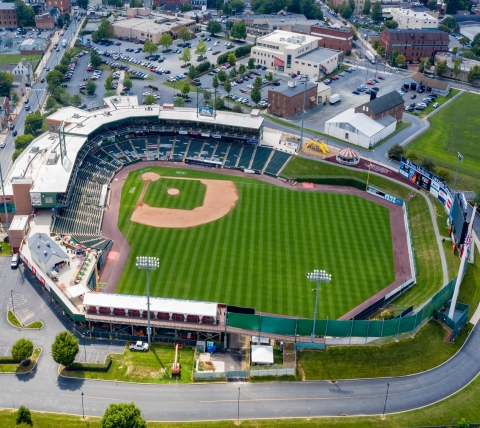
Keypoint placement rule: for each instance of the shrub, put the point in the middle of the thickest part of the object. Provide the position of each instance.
(411, 155)
(23, 416)
(91, 367)
(443, 173)
(243, 50)
(428, 164)
(204, 66)
(237, 109)
(222, 59)
(396, 152)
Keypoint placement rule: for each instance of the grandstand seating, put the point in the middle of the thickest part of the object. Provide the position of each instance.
(261, 157)
(195, 148)
(233, 155)
(139, 146)
(278, 160)
(221, 151)
(208, 149)
(179, 148)
(246, 156)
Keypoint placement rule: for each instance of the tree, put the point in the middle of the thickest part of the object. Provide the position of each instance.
(127, 82)
(201, 48)
(105, 31)
(455, 50)
(227, 86)
(443, 173)
(179, 102)
(346, 10)
(232, 59)
(450, 22)
(233, 73)
(6, 81)
(396, 152)
(123, 415)
(376, 12)
(192, 72)
(258, 82)
(185, 88)
(109, 83)
(62, 68)
(464, 41)
(184, 34)
(149, 100)
(400, 60)
(207, 96)
(226, 9)
(22, 142)
(381, 50)
(424, 64)
(95, 60)
(217, 103)
(14, 97)
(222, 76)
(65, 348)
(25, 14)
(366, 7)
(376, 44)
(251, 64)
(60, 22)
(90, 86)
(23, 348)
(474, 73)
(149, 47)
(441, 67)
(186, 7)
(33, 123)
(237, 5)
(185, 56)
(444, 28)
(82, 4)
(66, 17)
(428, 164)
(256, 95)
(166, 41)
(75, 100)
(411, 155)
(23, 416)
(239, 30)
(269, 77)
(237, 109)
(214, 27)
(197, 19)
(215, 82)
(453, 6)
(457, 67)
(242, 69)
(390, 24)
(310, 9)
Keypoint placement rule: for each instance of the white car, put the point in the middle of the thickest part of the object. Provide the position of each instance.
(250, 86)
(146, 93)
(400, 93)
(157, 96)
(234, 83)
(209, 49)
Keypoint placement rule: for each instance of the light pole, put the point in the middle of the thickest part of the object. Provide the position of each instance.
(148, 264)
(83, 409)
(303, 110)
(238, 407)
(460, 158)
(385, 404)
(317, 276)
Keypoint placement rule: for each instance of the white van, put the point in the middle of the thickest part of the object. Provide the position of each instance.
(15, 261)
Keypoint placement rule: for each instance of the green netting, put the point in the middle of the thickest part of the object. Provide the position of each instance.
(390, 327)
(375, 329)
(339, 328)
(304, 327)
(275, 325)
(360, 328)
(320, 327)
(245, 321)
(406, 324)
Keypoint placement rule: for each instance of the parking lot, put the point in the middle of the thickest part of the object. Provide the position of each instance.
(97, 351)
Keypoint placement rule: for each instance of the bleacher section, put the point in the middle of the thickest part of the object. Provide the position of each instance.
(179, 148)
(208, 149)
(139, 146)
(246, 156)
(233, 155)
(195, 147)
(221, 151)
(261, 157)
(127, 149)
(277, 162)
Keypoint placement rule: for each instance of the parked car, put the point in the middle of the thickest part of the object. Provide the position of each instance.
(356, 92)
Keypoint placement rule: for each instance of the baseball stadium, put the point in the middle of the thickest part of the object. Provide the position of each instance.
(230, 239)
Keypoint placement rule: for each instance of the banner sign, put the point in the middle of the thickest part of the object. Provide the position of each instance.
(430, 182)
(384, 195)
(205, 111)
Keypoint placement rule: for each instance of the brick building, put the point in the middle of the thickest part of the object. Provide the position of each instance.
(414, 44)
(8, 17)
(62, 5)
(44, 21)
(391, 104)
(339, 39)
(287, 100)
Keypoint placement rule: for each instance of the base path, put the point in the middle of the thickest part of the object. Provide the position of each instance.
(221, 196)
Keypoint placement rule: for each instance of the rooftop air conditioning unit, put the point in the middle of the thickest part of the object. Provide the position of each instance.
(76, 115)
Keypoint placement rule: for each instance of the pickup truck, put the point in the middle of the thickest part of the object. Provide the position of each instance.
(138, 346)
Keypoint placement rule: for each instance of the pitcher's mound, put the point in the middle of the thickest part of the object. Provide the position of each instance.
(173, 191)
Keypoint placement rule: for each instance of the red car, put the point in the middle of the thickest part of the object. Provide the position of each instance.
(117, 44)
(380, 77)
(153, 70)
(256, 73)
(249, 76)
(371, 82)
(334, 78)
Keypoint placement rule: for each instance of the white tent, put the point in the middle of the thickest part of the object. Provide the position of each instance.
(77, 290)
(262, 354)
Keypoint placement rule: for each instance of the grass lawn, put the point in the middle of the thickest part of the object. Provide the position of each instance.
(408, 356)
(14, 321)
(427, 257)
(453, 260)
(19, 368)
(470, 288)
(401, 126)
(16, 58)
(454, 129)
(439, 100)
(259, 253)
(153, 366)
(191, 194)
(464, 404)
(5, 249)
(179, 85)
(306, 168)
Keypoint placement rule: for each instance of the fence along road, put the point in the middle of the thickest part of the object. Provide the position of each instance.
(44, 390)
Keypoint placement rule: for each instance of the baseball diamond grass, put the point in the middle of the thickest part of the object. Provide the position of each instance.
(258, 254)
(454, 129)
(191, 194)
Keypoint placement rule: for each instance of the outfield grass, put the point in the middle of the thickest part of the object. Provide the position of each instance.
(191, 194)
(427, 257)
(408, 356)
(307, 168)
(258, 254)
(454, 129)
(153, 366)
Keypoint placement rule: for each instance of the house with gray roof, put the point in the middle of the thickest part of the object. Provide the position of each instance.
(46, 253)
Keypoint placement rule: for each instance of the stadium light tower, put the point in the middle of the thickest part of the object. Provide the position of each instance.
(148, 264)
(317, 276)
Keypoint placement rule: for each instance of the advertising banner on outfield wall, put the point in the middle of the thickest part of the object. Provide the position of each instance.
(423, 178)
(384, 195)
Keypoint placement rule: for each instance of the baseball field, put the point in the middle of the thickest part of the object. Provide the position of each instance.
(259, 252)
